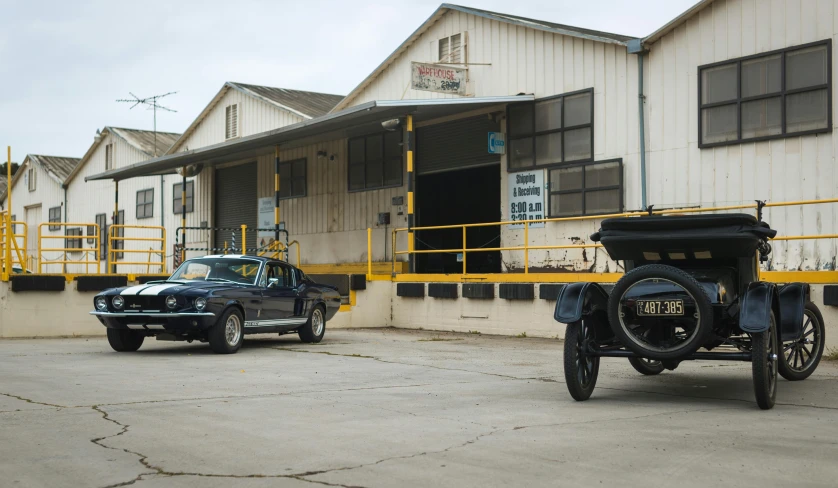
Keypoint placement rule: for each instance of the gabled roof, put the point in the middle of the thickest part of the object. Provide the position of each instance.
(58, 168)
(305, 104)
(3, 185)
(566, 30)
(142, 140)
(672, 24)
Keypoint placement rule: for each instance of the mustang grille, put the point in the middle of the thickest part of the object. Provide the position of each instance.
(141, 302)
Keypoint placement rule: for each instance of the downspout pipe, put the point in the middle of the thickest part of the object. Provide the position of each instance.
(635, 46)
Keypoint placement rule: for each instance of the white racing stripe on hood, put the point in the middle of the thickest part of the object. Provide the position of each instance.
(133, 290)
(157, 289)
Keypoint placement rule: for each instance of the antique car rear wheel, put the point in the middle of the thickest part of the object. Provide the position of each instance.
(225, 337)
(764, 365)
(681, 343)
(799, 358)
(649, 367)
(124, 340)
(314, 330)
(580, 369)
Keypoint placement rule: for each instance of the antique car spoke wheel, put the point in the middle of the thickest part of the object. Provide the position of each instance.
(801, 356)
(580, 368)
(764, 365)
(649, 367)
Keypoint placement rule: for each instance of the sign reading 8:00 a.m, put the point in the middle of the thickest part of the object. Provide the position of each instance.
(440, 79)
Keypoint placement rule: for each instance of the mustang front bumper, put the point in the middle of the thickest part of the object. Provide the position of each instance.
(175, 321)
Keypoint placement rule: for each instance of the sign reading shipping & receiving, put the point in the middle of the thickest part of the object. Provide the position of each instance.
(497, 143)
(266, 221)
(526, 197)
(440, 79)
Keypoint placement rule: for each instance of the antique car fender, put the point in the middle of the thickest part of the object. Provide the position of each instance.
(573, 299)
(757, 303)
(793, 298)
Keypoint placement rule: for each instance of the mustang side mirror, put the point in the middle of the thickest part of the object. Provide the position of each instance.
(273, 282)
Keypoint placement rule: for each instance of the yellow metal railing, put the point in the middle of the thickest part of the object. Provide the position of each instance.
(89, 255)
(117, 240)
(16, 241)
(526, 247)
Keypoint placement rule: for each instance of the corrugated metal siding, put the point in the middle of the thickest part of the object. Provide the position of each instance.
(796, 168)
(524, 60)
(452, 145)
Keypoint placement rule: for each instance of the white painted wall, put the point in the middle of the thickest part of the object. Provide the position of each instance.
(795, 168)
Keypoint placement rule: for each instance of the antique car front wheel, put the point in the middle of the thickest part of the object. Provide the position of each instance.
(580, 368)
(799, 358)
(124, 340)
(314, 330)
(660, 336)
(764, 365)
(225, 337)
(649, 367)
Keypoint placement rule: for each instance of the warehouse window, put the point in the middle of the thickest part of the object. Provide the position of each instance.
(102, 222)
(551, 131)
(31, 177)
(586, 189)
(190, 191)
(54, 216)
(773, 95)
(292, 179)
(231, 129)
(452, 49)
(145, 203)
(74, 244)
(375, 161)
(108, 157)
(91, 234)
(14, 226)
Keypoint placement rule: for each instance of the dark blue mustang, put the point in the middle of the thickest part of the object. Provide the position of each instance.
(218, 299)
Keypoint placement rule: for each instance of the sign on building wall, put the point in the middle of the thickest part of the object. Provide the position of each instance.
(440, 79)
(526, 197)
(266, 221)
(497, 143)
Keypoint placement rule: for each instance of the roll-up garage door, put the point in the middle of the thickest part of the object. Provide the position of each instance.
(236, 203)
(455, 145)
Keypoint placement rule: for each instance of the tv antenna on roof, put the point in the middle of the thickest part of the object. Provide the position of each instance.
(151, 103)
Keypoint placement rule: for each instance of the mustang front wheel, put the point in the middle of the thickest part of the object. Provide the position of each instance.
(225, 337)
(315, 328)
(800, 357)
(124, 340)
(580, 368)
(764, 365)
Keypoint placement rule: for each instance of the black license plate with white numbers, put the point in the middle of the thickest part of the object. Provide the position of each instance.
(659, 308)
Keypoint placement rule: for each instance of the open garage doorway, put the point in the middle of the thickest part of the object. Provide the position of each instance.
(458, 182)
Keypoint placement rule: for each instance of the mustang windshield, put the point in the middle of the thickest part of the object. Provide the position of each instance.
(233, 270)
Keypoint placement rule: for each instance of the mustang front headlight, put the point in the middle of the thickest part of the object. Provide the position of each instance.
(101, 304)
(118, 302)
(200, 304)
(171, 301)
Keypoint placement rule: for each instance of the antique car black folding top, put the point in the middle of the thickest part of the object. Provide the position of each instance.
(680, 237)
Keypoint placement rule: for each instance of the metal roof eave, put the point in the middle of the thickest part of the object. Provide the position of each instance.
(263, 142)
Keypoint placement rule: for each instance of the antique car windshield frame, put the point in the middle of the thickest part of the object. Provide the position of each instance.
(255, 281)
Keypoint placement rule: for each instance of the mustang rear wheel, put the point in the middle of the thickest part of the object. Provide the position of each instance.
(649, 367)
(314, 330)
(799, 358)
(225, 337)
(580, 368)
(660, 336)
(125, 340)
(764, 365)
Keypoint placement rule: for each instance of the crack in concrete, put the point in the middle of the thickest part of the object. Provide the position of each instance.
(27, 400)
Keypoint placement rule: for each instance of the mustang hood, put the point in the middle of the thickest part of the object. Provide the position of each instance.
(173, 286)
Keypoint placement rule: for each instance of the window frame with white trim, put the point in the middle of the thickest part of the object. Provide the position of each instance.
(190, 197)
(395, 158)
(773, 91)
(291, 183)
(444, 49)
(145, 208)
(584, 187)
(53, 216)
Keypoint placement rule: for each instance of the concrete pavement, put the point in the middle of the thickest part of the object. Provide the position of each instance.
(390, 407)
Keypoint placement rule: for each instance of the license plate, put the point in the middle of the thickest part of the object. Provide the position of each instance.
(659, 307)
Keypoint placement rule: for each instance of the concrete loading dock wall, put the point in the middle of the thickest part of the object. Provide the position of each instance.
(487, 308)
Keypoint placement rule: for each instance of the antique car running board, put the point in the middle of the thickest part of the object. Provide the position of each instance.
(712, 356)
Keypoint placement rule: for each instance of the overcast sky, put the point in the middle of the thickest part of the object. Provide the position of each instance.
(64, 63)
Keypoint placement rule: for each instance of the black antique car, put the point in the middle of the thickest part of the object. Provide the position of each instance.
(218, 299)
(691, 291)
